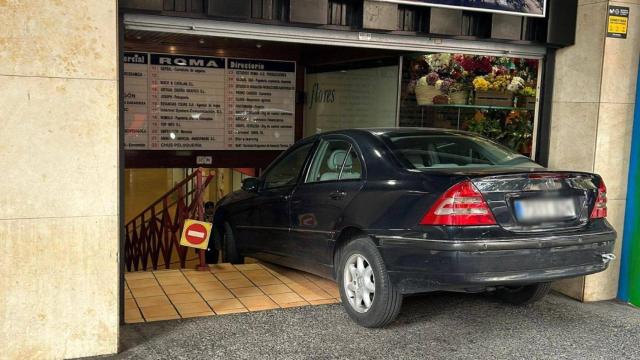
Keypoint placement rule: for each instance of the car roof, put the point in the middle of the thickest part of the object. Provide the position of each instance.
(398, 131)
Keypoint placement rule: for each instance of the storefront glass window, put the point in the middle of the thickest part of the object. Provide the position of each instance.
(492, 96)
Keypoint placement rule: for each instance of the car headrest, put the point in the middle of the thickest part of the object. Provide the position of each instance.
(336, 158)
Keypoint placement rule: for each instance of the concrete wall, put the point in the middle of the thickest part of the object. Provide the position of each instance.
(59, 199)
(592, 120)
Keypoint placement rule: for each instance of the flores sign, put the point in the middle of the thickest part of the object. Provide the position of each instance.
(515, 7)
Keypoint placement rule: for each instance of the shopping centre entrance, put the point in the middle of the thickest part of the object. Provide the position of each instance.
(203, 112)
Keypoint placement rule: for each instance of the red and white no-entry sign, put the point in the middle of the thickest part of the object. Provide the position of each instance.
(195, 234)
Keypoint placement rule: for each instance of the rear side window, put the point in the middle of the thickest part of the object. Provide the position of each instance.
(335, 160)
(426, 151)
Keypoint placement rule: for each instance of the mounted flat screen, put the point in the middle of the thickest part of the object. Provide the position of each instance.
(535, 8)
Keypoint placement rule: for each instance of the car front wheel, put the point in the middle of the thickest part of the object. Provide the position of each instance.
(230, 252)
(366, 291)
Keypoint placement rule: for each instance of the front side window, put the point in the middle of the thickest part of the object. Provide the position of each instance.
(285, 172)
(335, 160)
(428, 151)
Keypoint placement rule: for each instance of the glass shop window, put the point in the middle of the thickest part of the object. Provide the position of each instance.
(414, 19)
(493, 96)
(270, 9)
(189, 6)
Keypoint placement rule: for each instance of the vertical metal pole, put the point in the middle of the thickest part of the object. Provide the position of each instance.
(200, 208)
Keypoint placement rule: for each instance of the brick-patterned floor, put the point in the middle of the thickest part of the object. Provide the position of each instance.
(224, 289)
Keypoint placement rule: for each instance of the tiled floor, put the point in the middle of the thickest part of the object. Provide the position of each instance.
(224, 289)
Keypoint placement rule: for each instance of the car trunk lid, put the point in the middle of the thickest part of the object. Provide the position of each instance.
(540, 200)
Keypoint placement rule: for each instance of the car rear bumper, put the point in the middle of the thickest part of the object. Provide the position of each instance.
(420, 265)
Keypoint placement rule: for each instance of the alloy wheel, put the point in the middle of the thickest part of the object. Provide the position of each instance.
(359, 283)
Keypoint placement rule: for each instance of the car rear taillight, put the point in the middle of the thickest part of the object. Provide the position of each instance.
(600, 208)
(461, 205)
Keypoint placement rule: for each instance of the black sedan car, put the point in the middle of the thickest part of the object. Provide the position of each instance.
(391, 212)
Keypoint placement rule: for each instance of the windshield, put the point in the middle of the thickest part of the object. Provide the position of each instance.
(454, 150)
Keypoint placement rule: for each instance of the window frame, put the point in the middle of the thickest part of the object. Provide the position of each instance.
(305, 165)
(353, 146)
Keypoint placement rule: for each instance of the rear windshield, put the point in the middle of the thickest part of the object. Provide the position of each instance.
(430, 151)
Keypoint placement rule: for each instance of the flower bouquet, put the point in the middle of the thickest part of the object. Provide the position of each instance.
(426, 88)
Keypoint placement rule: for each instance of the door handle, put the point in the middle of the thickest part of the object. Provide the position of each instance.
(285, 197)
(337, 195)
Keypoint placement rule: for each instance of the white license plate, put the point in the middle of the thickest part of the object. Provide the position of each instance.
(545, 209)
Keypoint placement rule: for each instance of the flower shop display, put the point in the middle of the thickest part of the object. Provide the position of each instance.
(513, 128)
(492, 81)
(494, 96)
(425, 90)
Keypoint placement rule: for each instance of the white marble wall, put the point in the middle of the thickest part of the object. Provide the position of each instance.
(592, 120)
(59, 199)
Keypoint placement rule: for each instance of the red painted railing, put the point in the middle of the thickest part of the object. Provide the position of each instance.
(156, 230)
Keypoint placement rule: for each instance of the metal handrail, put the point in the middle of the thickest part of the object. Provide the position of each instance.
(154, 232)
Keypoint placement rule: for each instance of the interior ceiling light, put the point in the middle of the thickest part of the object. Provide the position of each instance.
(258, 45)
(201, 41)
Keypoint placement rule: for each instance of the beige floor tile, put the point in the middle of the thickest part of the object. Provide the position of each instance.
(230, 275)
(294, 304)
(130, 303)
(172, 280)
(275, 289)
(220, 268)
(257, 273)
(266, 281)
(146, 291)
(203, 279)
(220, 306)
(178, 289)
(167, 273)
(153, 301)
(193, 308)
(184, 298)
(232, 311)
(284, 279)
(132, 313)
(333, 292)
(138, 275)
(158, 311)
(217, 294)
(248, 291)
(237, 283)
(197, 274)
(314, 295)
(323, 301)
(209, 286)
(161, 318)
(245, 267)
(140, 283)
(258, 303)
(133, 320)
(286, 298)
(206, 313)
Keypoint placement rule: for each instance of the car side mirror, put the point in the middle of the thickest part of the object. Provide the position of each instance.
(250, 184)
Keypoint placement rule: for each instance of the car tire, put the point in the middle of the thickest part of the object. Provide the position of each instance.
(230, 252)
(356, 284)
(524, 295)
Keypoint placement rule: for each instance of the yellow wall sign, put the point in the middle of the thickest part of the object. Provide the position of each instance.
(618, 23)
(195, 234)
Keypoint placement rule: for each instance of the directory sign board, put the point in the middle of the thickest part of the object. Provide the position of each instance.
(185, 102)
